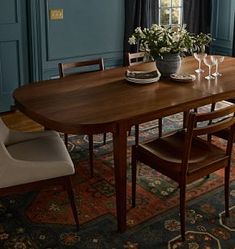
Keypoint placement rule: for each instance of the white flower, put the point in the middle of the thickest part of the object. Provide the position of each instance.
(175, 37)
(132, 40)
(158, 40)
(138, 30)
(163, 50)
(142, 35)
(183, 50)
(146, 45)
(155, 27)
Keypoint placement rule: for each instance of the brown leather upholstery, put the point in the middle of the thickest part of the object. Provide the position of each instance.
(185, 157)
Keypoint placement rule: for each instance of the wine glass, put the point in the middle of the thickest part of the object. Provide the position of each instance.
(209, 61)
(218, 59)
(199, 57)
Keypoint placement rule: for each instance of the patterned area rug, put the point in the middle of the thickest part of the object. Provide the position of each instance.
(44, 220)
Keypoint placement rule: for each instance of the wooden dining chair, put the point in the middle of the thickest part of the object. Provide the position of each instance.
(185, 157)
(63, 67)
(224, 134)
(34, 160)
(68, 69)
(135, 59)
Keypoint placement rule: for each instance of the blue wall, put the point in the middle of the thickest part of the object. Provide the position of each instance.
(222, 26)
(90, 29)
(13, 50)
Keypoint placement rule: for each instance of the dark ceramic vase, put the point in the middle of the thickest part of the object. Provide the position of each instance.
(168, 64)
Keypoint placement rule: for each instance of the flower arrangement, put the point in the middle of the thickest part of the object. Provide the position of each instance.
(200, 41)
(159, 40)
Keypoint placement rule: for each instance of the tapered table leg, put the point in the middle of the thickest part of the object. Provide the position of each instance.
(120, 167)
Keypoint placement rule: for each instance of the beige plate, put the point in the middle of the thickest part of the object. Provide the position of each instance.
(183, 77)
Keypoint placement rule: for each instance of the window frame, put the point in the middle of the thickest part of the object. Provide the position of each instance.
(171, 7)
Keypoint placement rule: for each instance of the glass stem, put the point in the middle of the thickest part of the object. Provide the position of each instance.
(209, 70)
(200, 63)
(217, 68)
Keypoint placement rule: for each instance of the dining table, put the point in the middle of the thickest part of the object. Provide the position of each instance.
(105, 101)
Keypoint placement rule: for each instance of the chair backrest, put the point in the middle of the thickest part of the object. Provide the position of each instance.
(63, 67)
(212, 122)
(4, 132)
(135, 58)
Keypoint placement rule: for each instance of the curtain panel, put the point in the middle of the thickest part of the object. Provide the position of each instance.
(197, 15)
(138, 13)
(233, 51)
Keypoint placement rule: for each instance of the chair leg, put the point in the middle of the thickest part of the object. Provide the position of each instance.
(160, 127)
(105, 137)
(136, 135)
(70, 193)
(226, 190)
(133, 174)
(66, 140)
(209, 136)
(185, 118)
(91, 155)
(182, 210)
(13, 108)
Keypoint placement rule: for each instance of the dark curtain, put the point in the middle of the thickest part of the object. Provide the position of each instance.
(138, 13)
(233, 52)
(197, 15)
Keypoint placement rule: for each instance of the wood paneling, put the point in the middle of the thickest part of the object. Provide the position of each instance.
(8, 12)
(222, 26)
(13, 49)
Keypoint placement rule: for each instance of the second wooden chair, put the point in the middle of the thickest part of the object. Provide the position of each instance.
(64, 70)
(185, 157)
(135, 59)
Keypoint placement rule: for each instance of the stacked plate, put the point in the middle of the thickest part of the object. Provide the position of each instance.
(142, 77)
(185, 77)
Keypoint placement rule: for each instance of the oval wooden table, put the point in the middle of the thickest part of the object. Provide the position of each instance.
(104, 101)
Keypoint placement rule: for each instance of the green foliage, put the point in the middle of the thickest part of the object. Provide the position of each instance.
(200, 41)
(158, 40)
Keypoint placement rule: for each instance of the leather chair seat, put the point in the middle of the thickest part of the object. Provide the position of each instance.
(167, 153)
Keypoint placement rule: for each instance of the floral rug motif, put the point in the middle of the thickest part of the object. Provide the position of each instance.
(44, 219)
(206, 227)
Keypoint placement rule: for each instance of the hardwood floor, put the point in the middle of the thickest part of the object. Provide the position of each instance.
(18, 121)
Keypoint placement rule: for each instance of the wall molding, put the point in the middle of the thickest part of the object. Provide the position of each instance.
(35, 45)
(43, 63)
(222, 19)
(100, 54)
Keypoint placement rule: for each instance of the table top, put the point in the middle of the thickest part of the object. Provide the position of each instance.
(96, 102)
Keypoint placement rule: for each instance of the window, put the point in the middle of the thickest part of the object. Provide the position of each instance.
(170, 12)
